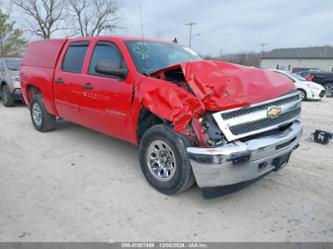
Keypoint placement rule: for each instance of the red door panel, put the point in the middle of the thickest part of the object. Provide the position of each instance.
(106, 100)
(105, 106)
(67, 81)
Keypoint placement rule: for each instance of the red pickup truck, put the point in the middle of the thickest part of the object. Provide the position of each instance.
(210, 122)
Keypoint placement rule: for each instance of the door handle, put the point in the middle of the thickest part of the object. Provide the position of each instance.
(88, 86)
(59, 81)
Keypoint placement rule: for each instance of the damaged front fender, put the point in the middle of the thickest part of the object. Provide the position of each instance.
(171, 103)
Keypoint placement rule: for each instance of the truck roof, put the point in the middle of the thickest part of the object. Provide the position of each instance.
(123, 38)
(44, 53)
(118, 37)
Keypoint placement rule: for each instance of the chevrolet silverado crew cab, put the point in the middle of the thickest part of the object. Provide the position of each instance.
(10, 87)
(216, 124)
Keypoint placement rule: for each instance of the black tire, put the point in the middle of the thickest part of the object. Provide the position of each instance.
(302, 94)
(46, 122)
(329, 89)
(183, 177)
(6, 97)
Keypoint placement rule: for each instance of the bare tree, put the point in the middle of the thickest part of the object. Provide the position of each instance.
(46, 15)
(94, 16)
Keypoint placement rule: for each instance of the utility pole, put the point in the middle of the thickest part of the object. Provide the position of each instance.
(221, 53)
(141, 21)
(262, 51)
(190, 36)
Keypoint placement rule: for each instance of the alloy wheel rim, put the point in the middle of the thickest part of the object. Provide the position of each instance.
(37, 114)
(329, 90)
(302, 95)
(161, 160)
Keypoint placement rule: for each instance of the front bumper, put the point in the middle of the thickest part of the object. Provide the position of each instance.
(315, 94)
(239, 162)
(322, 93)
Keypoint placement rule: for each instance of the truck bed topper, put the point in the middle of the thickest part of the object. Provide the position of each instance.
(47, 50)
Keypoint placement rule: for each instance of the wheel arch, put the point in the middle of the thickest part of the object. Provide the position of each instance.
(327, 81)
(146, 120)
(329, 92)
(3, 83)
(304, 91)
(31, 91)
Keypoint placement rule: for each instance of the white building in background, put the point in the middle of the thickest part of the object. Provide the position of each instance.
(289, 58)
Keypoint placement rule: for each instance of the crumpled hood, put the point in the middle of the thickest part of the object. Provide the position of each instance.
(214, 86)
(220, 85)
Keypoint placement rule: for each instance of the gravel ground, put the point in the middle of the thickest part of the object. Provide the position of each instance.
(74, 184)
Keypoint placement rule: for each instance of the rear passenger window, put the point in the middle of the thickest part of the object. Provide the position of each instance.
(74, 57)
(105, 52)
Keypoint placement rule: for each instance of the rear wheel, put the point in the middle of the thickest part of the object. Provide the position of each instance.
(7, 98)
(164, 160)
(302, 94)
(41, 119)
(329, 89)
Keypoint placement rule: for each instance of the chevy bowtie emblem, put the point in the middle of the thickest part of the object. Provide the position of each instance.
(273, 112)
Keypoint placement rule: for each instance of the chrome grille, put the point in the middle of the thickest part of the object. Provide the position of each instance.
(246, 121)
(244, 111)
(256, 125)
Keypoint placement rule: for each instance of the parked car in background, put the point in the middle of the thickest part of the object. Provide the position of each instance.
(10, 87)
(307, 89)
(305, 73)
(323, 78)
(302, 69)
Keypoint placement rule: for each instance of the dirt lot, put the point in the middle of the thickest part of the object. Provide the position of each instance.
(74, 184)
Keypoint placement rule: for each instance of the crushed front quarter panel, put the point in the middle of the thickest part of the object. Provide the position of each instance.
(170, 102)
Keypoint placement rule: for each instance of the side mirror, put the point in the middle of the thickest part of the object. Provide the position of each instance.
(109, 68)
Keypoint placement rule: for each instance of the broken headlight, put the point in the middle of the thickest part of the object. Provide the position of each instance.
(215, 136)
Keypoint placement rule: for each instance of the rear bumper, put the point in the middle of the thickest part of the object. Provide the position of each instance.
(239, 162)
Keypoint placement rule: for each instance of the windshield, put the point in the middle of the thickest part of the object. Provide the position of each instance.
(13, 64)
(149, 56)
(296, 76)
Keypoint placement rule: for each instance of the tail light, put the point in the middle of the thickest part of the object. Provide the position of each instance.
(309, 77)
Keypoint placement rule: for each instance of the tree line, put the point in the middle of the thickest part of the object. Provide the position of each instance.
(46, 17)
(251, 59)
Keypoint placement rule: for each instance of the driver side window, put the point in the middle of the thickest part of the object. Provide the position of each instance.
(105, 52)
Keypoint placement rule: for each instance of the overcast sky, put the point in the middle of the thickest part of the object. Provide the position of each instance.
(229, 25)
(233, 25)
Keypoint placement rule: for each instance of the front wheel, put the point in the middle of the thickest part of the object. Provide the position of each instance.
(302, 94)
(329, 89)
(7, 97)
(41, 119)
(164, 160)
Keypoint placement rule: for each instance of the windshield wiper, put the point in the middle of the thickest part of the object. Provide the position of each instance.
(146, 73)
(149, 72)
